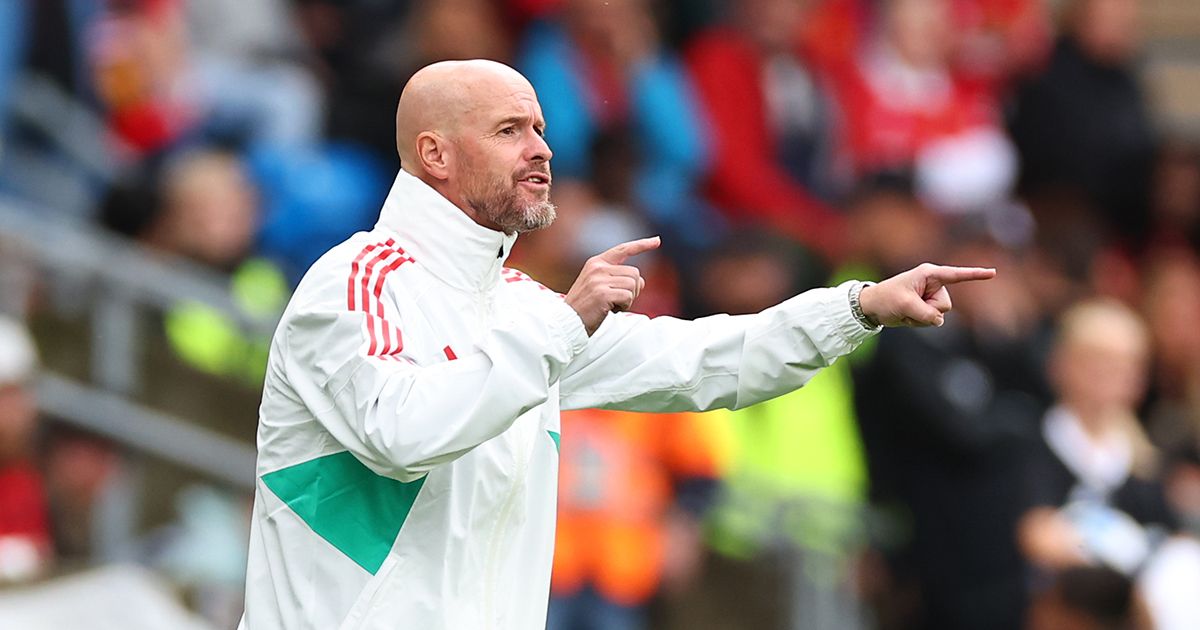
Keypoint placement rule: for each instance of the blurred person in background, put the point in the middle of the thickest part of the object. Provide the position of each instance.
(1175, 200)
(995, 41)
(604, 76)
(633, 491)
(26, 545)
(1093, 481)
(907, 108)
(786, 527)
(209, 213)
(366, 50)
(945, 419)
(1171, 303)
(776, 162)
(84, 474)
(1083, 126)
(159, 85)
(1000, 42)
(1093, 454)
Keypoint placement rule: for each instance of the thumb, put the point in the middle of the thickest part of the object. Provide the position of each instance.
(620, 253)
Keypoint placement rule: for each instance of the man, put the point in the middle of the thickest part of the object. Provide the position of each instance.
(408, 436)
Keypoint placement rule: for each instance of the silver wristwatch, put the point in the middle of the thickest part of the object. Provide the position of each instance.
(856, 307)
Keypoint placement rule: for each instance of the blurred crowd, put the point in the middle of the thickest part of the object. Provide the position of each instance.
(1035, 463)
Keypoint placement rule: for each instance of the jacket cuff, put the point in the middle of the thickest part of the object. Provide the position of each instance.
(567, 329)
(841, 318)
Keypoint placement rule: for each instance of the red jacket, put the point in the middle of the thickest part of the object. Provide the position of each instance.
(746, 181)
(23, 511)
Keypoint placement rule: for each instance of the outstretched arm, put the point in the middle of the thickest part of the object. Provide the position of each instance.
(666, 364)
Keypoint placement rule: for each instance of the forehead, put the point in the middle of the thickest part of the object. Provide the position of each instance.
(498, 99)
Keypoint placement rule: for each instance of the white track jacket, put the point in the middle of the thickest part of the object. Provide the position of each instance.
(408, 434)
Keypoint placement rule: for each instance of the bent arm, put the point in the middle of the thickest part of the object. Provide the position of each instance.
(400, 418)
(666, 364)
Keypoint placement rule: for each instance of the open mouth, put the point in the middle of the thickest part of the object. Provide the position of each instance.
(536, 179)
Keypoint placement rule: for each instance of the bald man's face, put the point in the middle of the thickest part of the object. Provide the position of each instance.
(503, 165)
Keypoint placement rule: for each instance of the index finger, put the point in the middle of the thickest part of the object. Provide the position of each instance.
(620, 253)
(954, 275)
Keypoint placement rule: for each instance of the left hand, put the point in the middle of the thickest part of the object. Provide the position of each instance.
(917, 297)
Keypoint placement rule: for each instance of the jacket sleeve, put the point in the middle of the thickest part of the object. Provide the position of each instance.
(665, 364)
(401, 418)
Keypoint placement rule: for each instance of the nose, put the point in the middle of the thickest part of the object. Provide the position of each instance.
(540, 150)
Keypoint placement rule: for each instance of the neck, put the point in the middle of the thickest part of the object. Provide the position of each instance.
(1093, 419)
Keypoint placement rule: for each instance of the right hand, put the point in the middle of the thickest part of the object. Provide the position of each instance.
(607, 285)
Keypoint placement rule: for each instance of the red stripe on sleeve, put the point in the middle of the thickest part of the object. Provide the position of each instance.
(371, 334)
(380, 332)
(356, 266)
(365, 281)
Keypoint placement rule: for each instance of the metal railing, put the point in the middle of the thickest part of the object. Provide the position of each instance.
(115, 281)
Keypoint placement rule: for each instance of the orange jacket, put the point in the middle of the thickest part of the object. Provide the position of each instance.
(617, 475)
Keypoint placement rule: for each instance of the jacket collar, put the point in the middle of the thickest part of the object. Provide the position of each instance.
(441, 237)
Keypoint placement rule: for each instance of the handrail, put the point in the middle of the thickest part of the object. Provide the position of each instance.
(122, 278)
(109, 415)
(160, 279)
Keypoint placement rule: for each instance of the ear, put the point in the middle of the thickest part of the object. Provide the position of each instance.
(435, 154)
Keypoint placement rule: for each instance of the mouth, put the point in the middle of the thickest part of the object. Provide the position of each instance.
(536, 180)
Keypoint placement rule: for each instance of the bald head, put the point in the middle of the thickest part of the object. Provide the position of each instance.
(441, 96)
(472, 131)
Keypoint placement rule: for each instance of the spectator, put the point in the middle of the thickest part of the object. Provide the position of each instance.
(787, 522)
(1093, 466)
(1175, 202)
(1094, 480)
(944, 419)
(1083, 126)
(776, 162)
(601, 71)
(85, 476)
(995, 41)
(366, 51)
(209, 214)
(1172, 298)
(1171, 303)
(632, 493)
(25, 536)
(158, 88)
(1001, 41)
(906, 109)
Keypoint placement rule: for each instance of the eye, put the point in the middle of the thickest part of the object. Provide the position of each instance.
(508, 131)
(541, 131)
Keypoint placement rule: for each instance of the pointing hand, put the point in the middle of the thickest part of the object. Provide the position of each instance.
(917, 297)
(607, 285)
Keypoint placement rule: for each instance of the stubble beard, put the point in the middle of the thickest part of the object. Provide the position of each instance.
(499, 202)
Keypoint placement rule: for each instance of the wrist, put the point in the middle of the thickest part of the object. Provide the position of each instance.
(861, 296)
